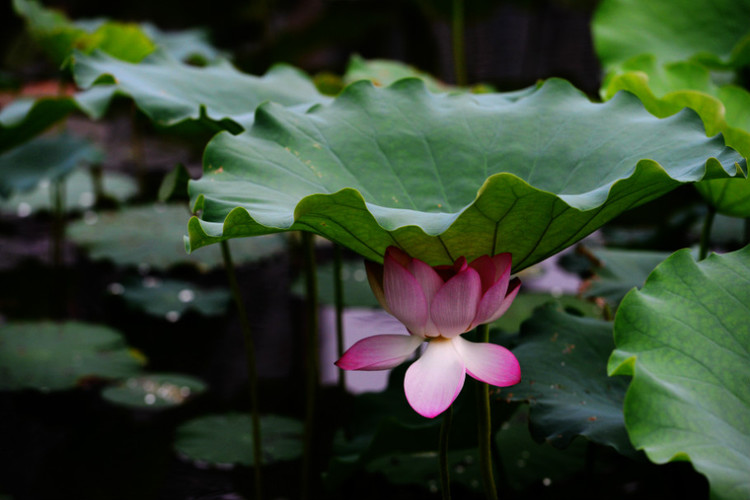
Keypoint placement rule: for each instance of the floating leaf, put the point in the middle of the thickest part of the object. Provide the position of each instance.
(619, 271)
(170, 92)
(525, 303)
(152, 235)
(684, 339)
(442, 176)
(43, 159)
(564, 365)
(56, 356)
(527, 462)
(80, 194)
(228, 439)
(171, 299)
(666, 89)
(58, 36)
(157, 391)
(711, 31)
(383, 72)
(26, 118)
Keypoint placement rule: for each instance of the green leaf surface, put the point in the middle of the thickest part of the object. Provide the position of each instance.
(26, 118)
(619, 271)
(152, 235)
(227, 439)
(154, 391)
(43, 159)
(169, 91)
(442, 176)
(50, 356)
(684, 338)
(525, 303)
(527, 462)
(666, 89)
(564, 368)
(80, 194)
(712, 31)
(383, 72)
(170, 298)
(58, 36)
(183, 45)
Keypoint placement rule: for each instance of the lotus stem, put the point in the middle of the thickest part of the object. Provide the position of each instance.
(252, 373)
(484, 427)
(459, 50)
(706, 233)
(445, 477)
(312, 361)
(338, 291)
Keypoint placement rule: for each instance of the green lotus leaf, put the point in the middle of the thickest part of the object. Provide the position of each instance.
(171, 299)
(228, 439)
(26, 118)
(80, 194)
(43, 159)
(383, 72)
(564, 364)
(58, 36)
(184, 45)
(711, 31)
(619, 271)
(441, 175)
(666, 89)
(169, 91)
(56, 356)
(684, 339)
(154, 391)
(151, 235)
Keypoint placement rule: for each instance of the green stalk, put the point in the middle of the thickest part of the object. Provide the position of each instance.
(445, 476)
(484, 427)
(706, 233)
(459, 50)
(312, 357)
(252, 373)
(338, 291)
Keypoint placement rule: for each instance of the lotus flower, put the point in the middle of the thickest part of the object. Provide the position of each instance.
(437, 305)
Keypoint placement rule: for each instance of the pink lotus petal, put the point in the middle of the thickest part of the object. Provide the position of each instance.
(493, 300)
(502, 262)
(455, 304)
(397, 255)
(433, 382)
(379, 352)
(404, 296)
(487, 271)
(375, 278)
(513, 287)
(489, 363)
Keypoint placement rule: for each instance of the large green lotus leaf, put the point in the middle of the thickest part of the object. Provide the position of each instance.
(80, 195)
(442, 176)
(564, 365)
(169, 91)
(56, 356)
(26, 118)
(152, 235)
(43, 159)
(228, 439)
(58, 36)
(684, 338)
(184, 45)
(712, 31)
(666, 89)
(618, 271)
(154, 391)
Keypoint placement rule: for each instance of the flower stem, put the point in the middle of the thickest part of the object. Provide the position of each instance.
(312, 357)
(484, 427)
(338, 291)
(457, 35)
(445, 477)
(706, 233)
(252, 375)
